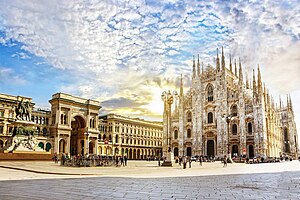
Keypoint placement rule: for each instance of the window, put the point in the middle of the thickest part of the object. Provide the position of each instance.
(250, 128)
(234, 129)
(234, 110)
(175, 134)
(1, 113)
(1, 129)
(210, 118)
(189, 117)
(210, 93)
(117, 139)
(189, 133)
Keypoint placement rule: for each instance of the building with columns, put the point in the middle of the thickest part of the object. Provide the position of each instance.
(225, 113)
(73, 126)
(132, 137)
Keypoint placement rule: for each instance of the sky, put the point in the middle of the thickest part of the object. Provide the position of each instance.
(126, 53)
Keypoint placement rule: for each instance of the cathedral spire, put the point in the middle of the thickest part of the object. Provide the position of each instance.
(291, 105)
(259, 83)
(240, 74)
(254, 84)
(247, 81)
(223, 61)
(235, 69)
(198, 67)
(280, 102)
(194, 67)
(218, 61)
(230, 64)
(181, 86)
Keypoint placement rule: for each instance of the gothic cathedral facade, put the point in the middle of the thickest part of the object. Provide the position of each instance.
(223, 114)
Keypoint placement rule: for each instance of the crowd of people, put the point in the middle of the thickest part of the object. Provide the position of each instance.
(89, 160)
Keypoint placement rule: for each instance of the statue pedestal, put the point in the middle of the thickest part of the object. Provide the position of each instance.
(169, 159)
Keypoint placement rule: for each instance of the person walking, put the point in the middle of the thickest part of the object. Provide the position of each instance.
(122, 161)
(200, 161)
(225, 161)
(125, 160)
(190, 162)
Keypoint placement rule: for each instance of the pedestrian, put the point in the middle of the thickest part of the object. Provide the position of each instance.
(158, 161)
(125, 160)
(184, 162)
(122, 161)
(190, 162)
(200, 160)
(225, 161)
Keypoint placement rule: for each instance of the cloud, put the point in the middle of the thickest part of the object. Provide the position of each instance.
(7, 75)
(132, 51)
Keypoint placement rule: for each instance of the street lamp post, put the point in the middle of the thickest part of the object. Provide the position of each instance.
(168, 99)
(228, 119)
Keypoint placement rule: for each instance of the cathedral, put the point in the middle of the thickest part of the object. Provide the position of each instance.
(223, 113)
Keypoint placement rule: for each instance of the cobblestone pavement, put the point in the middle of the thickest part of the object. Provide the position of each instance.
(279, 185)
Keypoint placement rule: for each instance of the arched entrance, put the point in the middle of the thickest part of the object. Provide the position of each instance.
(189, 151)
(251, 151)
(77, 136)
(176, 151)
(210, 148)
(62, 145)
(91, 147)
(138, 154)
(235, 151)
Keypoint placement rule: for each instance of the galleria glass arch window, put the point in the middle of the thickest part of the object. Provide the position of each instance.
(189, 117)
(234, 110)
(234, 129)
(189, 133)
(176, 134)
(210, 118)
(210, 93)
(250, 128)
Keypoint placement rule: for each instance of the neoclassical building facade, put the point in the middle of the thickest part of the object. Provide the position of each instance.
(225, 113)
(73, 126)
(132, 137)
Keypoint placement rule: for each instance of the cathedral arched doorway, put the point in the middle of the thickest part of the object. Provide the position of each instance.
(189, 151)
(77, 136)
(210, 148)
(175, 151)
(235, 151)
(251, 151)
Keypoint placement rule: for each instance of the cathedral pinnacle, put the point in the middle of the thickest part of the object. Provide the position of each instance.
(230, 64)
(235, 69)
(247, 81)
(218, 61)
(181, 86)
(254, 83)
(259, 83)
(223, 60)
(198, 67)
(194, 67)
(240, 73)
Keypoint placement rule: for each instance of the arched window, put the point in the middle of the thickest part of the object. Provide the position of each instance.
(99, 137)
(250, 128)
(210, 93)
(44, 131)
(189, 133)
(175, 134)
(210, 118)
(189, 117)
(109, 138)
(234, 129)
(234, 110)
(117, 139)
